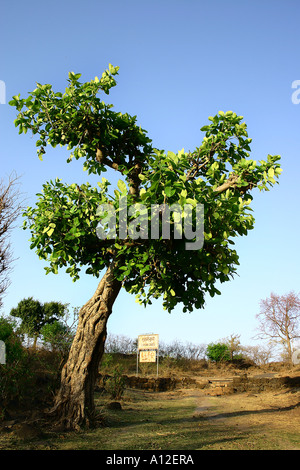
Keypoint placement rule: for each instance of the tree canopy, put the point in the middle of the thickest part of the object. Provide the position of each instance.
(34, 315)
(218, 174)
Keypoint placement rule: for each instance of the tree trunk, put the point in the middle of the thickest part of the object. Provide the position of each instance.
(74, 402)
(289, 349)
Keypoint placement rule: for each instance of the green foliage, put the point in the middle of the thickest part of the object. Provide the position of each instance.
(106, 362)
(79, 119)
(218, 352)
(115, 385)
(35, 315)
(13, 343)
(58, 335)
(218, 174)
(14, 374)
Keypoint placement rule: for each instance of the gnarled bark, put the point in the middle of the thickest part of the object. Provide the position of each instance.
(74, 402)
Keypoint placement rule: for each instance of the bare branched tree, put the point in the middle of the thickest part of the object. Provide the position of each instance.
(119, 344)
(260, 354)
(10, 209)
(279, 320)
(234, 345)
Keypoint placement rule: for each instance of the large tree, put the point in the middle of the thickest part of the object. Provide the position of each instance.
(218, 175)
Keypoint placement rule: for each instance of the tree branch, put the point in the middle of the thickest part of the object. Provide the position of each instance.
(230, 183)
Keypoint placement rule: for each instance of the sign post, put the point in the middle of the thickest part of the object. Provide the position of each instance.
(147, 350)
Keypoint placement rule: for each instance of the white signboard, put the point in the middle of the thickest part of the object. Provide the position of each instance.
(147, 356)
(147, 350)
(148, 342)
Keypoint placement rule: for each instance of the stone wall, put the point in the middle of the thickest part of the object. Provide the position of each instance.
(260, 384)
(219, 386)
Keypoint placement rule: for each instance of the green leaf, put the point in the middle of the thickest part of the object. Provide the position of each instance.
(50, 231)
(169, 191)
(144, 269)
(271, 172)
(183, 193)
(122, 187)
(143, 193)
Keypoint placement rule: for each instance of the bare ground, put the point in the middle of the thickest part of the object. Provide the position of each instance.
(276, 415)
(186, 418)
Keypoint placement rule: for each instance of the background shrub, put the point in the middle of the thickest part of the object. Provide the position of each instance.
(218, 352)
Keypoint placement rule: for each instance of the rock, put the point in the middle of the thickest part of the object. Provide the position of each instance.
(114, 405)
(27, 431)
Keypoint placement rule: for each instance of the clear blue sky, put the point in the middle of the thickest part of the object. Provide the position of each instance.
(180, 62)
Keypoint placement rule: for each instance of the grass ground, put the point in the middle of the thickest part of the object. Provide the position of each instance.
(185, 419)
(182, 419)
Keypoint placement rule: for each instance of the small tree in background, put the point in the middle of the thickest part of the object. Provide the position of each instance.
(119, 344)
(34, 315)
(279, 320)
(10, 209)
(218, 352)
(14, 373)
(58, 335)
(194, 351)
(115, 385)
(234, 345)
(259, 354)
(13, 343)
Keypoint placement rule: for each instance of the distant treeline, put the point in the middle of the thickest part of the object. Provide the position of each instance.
(226, 349)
